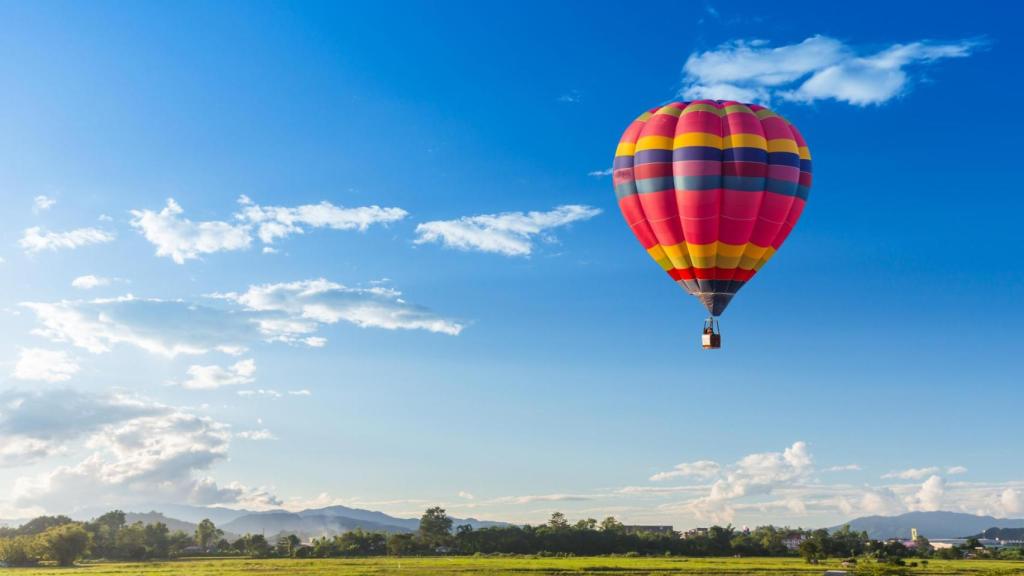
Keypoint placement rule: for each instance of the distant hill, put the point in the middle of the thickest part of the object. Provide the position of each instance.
(929, 524)
(308, 523)
(331, 520)
(173, 524)
(1002, 534)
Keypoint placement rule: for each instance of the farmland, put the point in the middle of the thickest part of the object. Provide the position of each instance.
(499, 566)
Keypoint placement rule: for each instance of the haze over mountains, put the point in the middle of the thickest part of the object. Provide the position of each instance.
(308, 523)
(332, 520)
(930, 524)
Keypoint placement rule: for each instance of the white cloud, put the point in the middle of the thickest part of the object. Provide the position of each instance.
(262, 434)
(37, 424)
(843, 468)
(1011, 502)
(307, 304)
(181, 239)
(89, 281)
(818, 68)
(274, 222)
(21, 450)
(213, 376)
(930, 496)
(954, 470)
(601, 173)
(42, 203)
(912, 473)
(44, 365)
(700, 469)
(35, 239)
(300, 392)
(466, 495)
(260, 392)
(167, 328)
(508, 233)
(137, 452)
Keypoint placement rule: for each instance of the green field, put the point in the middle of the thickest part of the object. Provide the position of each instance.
(498, 567)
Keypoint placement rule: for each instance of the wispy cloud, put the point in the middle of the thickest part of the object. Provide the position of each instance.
(508, 233)
(912, 473)
(700, 469)
(35, 239)
(181, 239)
(44, 365)
(294, 310)
(215, 376)
(90, 281)
(843, 468)
(262, 434)
(274, 222)
(42, 203)
(819, 68)
(601, 173)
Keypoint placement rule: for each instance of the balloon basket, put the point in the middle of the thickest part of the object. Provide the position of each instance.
(711, 338)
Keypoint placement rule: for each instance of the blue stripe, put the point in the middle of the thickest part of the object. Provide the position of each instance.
(622, 162)
(652, 156)
(655, 184)
(805, 166)
(745, 155)
(740, 183)
(625, 189)
(780, 187)
(696, 153)
(803, 192)
(784, 159)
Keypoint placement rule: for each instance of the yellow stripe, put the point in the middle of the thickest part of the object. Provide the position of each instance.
(697, 139)
(805, 154)
(738, 109)
(715, 254)
(783, 145)
(670, 110)
(643, 117)
(744, 141)
(766, 113)
(654, 143)
(704, 108)
(676, 254)
(625, 149)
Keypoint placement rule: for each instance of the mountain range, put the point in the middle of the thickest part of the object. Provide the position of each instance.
(313, 522)
(929, 524)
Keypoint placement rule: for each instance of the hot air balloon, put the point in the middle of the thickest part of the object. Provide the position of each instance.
(711, 188)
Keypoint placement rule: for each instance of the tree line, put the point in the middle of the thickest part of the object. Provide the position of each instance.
(110, 537)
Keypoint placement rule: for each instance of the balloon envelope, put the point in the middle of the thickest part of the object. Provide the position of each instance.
(711, 189)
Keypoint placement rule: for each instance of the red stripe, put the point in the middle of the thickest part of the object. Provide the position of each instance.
(711, 273)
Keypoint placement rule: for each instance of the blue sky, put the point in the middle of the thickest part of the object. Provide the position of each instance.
(264, 255)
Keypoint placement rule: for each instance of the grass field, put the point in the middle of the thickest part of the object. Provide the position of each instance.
(498, 567)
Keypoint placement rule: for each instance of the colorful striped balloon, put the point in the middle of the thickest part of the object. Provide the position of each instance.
(711, 189)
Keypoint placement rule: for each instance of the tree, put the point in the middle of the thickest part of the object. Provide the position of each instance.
(435, 528)
(811, 550)
(207, 533)
(19, 550)
(65, 543)
(286, 545)
(401, 545)
(610, 524)
(558, 521)
(257, 546)
(42, 524)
